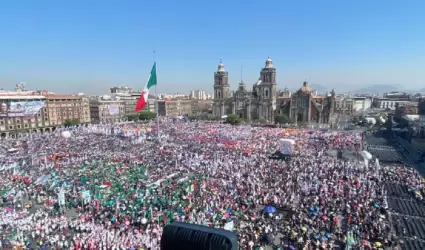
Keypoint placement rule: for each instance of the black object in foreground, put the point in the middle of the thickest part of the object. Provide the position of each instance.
(179, 236)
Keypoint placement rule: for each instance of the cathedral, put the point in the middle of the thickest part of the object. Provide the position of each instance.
(265, 102)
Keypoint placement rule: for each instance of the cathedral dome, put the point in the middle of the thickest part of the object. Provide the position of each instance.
(221, 67)
(305, 89)
(269, 63)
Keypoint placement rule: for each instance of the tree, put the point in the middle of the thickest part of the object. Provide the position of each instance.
(146, 115)
(281, 119)
(193, 117)
(263, 121)
(71, 122)
(134, 118)
(233, 119)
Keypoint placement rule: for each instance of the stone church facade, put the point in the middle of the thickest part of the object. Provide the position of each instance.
(264, 102)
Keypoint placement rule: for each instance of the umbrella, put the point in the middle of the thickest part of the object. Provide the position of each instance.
(270, 209)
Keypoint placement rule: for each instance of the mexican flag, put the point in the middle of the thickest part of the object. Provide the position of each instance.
(141, 103)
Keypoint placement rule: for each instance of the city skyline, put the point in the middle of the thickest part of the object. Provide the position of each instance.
(90, 46)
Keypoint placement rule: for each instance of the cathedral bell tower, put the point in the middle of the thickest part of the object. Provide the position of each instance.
(221, 91)
(267, 92)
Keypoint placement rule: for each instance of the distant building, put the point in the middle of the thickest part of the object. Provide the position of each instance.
(199, 95)
(304, 106)
(201, 107)
(22, 112)
(173, 96)
(130, 99)
(67, 107)
(105, 109)
(264, 102)
(260, 103)
(31, 111)
(121, 90)
(391, 100)
(344, 105)
(389, 103)
(361, 104)
(397, 96)
(177, 107)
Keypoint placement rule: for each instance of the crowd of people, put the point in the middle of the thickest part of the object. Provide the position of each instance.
(97, 188)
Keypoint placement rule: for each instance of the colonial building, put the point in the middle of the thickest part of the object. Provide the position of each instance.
(260, 103)
(67, 107)
(107, 110)
(177, 107)
(264, 102)
(304, 106)
(22, 112)
(130, 99)
(34, 111)
(344, 105)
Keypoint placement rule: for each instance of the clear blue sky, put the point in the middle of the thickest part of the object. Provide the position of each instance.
(90, 45)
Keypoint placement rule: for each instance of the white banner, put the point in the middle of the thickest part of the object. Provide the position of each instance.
(61, 198)
(286, 146)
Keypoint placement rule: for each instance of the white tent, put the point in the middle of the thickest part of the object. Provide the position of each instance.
(66, 134)
(366, 155)
(286, 146)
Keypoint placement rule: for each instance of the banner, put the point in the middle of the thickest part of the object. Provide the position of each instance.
(21, 109)
(286, 146)
(113, 109)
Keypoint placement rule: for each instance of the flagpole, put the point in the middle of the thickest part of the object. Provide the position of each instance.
(157, 99)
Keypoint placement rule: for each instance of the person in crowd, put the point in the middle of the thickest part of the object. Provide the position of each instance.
(118, 186)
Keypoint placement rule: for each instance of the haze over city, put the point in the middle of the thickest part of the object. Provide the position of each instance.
(88, 46)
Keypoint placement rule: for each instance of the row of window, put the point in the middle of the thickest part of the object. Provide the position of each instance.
(2, 121)
(68, 104)
(387, 104)
(67, 112)
(68, 100)
(343, 106)
(19, 126)
(68, 108)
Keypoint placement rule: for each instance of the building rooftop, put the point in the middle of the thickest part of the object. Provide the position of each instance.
(21, 97)
(58, 96)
